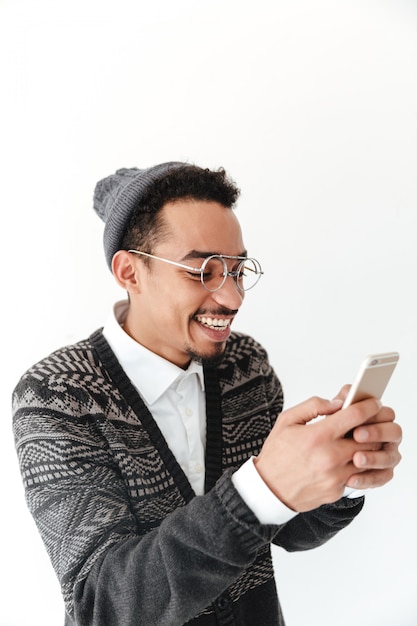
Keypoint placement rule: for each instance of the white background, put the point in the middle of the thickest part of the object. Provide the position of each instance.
(311, 106)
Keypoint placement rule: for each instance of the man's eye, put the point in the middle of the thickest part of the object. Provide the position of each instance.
(195, 275)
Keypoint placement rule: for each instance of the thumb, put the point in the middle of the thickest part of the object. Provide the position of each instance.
(341, 395)
(310, 409)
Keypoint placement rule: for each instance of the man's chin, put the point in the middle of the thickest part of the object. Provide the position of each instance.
(212, 359)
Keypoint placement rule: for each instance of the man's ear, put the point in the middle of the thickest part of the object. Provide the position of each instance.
(126, 271)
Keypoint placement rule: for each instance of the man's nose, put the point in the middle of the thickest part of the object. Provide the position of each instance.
(229, 295)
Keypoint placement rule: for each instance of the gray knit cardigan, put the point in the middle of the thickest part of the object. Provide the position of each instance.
(130, 542)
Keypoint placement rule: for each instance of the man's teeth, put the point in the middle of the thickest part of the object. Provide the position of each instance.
(214, 322)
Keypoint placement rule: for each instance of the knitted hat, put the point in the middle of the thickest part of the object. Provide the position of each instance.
(117, 196)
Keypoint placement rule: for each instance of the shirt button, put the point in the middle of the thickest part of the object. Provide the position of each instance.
(188, 411)
(198, 468)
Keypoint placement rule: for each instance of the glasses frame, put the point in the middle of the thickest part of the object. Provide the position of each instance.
(200, 270)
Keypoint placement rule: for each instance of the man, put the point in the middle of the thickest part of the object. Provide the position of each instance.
(153, 461)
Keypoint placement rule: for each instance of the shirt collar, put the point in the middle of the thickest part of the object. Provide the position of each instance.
(151, 374)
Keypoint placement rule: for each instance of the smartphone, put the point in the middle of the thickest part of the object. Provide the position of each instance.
(373, 376)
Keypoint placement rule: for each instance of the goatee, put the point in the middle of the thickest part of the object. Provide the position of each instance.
(208, 360)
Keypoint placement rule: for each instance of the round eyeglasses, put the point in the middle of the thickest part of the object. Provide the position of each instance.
(214, 272)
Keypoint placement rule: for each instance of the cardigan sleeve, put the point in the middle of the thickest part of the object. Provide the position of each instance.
(314, 528)
(109, 571)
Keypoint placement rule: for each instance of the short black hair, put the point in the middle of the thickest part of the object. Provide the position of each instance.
(189, 182)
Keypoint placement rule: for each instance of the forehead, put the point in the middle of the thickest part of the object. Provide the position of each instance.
(201, 225)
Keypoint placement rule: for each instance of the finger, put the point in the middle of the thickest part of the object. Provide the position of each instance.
(387, 432)
(371, 479)
(310, 409)
(386, 458)
(341, 395)
(354, 415)
(386, 414)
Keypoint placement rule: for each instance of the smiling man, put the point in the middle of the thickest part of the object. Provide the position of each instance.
(153, 461)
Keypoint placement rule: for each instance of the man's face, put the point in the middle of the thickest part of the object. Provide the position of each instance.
(173, 314)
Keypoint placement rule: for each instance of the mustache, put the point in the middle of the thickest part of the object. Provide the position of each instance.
(219, 311)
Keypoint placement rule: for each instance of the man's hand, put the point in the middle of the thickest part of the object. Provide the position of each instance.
(307, 465)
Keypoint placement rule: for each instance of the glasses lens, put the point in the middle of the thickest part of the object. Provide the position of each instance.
(214, 273)
(249, 274)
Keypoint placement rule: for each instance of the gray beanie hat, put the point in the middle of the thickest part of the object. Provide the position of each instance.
(117, 196)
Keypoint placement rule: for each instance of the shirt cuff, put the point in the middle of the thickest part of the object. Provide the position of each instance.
(258, 497)
(353, 493)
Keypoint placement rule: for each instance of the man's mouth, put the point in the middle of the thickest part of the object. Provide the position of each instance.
(215, 323)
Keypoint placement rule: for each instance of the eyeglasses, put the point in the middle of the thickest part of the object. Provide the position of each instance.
(214, 271)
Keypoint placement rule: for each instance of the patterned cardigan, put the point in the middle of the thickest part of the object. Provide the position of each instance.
(130, 542)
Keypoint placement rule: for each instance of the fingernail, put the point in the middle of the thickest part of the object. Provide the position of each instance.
(354, 483)
(337, 402)
(361, 434)
(360, 460)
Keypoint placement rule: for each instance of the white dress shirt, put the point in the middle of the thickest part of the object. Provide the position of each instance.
(176, 399)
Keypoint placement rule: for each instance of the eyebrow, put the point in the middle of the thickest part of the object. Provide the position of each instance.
(200, 254)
